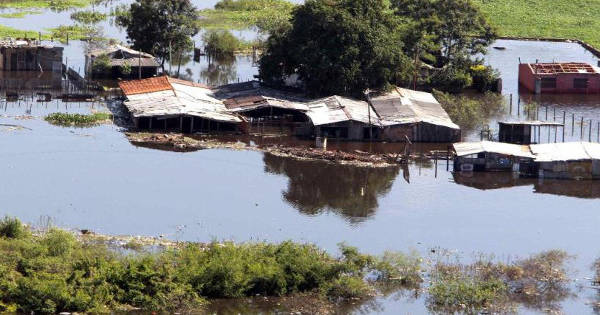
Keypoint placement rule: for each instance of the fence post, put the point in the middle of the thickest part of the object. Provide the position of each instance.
(581, 133)
(564, 124)
(590, 132)
(573, 125)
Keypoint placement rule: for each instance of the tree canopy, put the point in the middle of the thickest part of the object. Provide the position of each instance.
(338, 47)
(348, 46)
(155, 26)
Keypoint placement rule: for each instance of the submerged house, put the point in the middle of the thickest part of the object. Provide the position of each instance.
(541, 78)
(25, 55)
(343, 118)
(116, 61)
(523, 132)
(414, 115)
(569, 160)
(168, 103)
(491, 156)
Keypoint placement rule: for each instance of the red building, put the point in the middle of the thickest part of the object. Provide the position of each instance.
(567, 78)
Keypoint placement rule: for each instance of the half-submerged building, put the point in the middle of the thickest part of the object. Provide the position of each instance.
(567, 78)
(490, 156)
(172, 104)
(116, 61)
(26, 55)
(568, 160)
(414, 115)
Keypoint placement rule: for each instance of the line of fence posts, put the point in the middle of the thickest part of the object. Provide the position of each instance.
(535, 115)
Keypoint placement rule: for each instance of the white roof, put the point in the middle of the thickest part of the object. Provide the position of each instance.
(568, 151)
(403, 106)
(336, 109)
(468, 148)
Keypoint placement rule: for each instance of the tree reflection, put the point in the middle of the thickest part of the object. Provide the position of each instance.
(219, 71)
(315, 186)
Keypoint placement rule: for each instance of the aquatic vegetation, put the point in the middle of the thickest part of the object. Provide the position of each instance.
(53, 271)
(241, 14)
(470, 111)
(538, 282)
(88, 17)
(78, 120)
(19, 14)
(574, 19)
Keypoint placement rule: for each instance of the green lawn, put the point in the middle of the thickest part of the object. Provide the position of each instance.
(573, 19)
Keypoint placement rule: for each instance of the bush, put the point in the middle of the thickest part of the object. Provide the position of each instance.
(101, 64)
(88, 17)
(451, 79)
(220, 43)
(485, 78)
(11, 228)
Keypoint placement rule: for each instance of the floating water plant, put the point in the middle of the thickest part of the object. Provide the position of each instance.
(77, 120)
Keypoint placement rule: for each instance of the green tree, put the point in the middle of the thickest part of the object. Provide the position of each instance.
(452, 30)
(160, 26)
(338, 47)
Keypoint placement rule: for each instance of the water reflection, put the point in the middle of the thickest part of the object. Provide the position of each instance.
(571, 188)
(315, 187)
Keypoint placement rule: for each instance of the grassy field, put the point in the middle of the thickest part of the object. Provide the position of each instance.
(573, 19)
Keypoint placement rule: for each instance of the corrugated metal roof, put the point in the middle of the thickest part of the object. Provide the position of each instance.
(172, 97)
(403, 106)
(568, 151)
(468, 148)
(252, 102)
(335, 109)
(121, 55)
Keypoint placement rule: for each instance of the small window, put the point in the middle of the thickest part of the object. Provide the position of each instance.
(580, 83)
(549, 83)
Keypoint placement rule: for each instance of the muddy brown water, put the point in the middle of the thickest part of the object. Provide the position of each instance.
(93, 178)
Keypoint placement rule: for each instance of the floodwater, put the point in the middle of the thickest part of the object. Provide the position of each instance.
(93, 178)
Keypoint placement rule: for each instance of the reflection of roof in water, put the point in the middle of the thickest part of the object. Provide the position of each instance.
(498, 180)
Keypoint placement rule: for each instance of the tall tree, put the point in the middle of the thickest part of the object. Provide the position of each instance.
(160, 26)
(338, 47)
(452, 30)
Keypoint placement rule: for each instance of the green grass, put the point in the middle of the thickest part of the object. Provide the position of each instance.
(55, 272)
(78, 120)
(41, 4)
(241, 14)
(573, 19)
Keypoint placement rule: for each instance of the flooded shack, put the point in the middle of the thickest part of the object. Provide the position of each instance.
(414, 115)
(116, 61)
(491, 156)
(570, 160)
(343, 118)
(563, 78)
(524, 132)
(27, 55)
(171, 104)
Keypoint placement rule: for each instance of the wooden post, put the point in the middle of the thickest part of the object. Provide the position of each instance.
(511, 96)
(192, 125)
(554, 113)
(573, 125)
(581, 127)
(555, 133)
(546, 112)
(590, 132)
(564, 124)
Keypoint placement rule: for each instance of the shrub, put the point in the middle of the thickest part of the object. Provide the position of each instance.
(88, 17)
(220, 43)
(485, 78)
(11, 228)
(101, 64)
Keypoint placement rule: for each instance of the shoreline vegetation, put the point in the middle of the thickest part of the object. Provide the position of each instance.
(53, 270)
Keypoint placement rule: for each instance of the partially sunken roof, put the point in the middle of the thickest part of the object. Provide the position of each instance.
(121, 55)
(164, 96)
(335, 109)
(567, 151)
(569, 67)
(253, 102)
(403, 106)
(468, 148)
